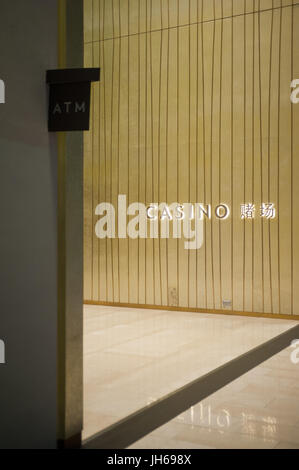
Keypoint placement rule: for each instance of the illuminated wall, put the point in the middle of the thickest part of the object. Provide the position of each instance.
(194, 106)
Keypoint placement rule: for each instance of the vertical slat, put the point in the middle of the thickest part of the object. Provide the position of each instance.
(216, 168)
(193, 110)
(295, 165)
(123, 164)
(248, 163)
(124, 17)
(183, 153)
(108, 50)
(258, 303)
(142, 21)
(165, 14)
(88, 188)
(273, 164)
(134, 21)
(250, 6)
(100, 251)
(133, 168)
(267, 4)
(116, 18)
(238, 7)
(173, 13)
(238, 161)
(156, 17)
(96, 20)
(218, 9)
(227, 8)
(96, 141)
(114, 160)
(162, 157)
(226, 153)
(101, 18)
(266, 40)
(150, 259)
(108, 19)
(208, 10)
(155, 72)
(88, 24)
(200, 170)
(285, 177)
(209, 56)
(142, 160)
(172, 169)
(183, 16)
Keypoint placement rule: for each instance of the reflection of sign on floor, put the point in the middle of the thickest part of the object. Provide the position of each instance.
(2, 352)
(69, 103)
(2, 92)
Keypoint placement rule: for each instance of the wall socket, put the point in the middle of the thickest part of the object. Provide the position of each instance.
(226, 303)
(173, 296)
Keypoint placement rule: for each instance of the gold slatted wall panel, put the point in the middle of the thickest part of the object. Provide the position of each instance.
(194, 106)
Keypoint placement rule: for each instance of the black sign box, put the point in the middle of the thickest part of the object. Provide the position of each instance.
(69, 101)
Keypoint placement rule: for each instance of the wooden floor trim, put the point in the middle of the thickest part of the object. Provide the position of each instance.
(195, 310)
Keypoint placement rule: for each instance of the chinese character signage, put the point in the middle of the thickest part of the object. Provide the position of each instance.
(267, 210)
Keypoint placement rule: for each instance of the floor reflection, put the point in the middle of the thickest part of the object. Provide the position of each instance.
(260, 410)
(135, 356)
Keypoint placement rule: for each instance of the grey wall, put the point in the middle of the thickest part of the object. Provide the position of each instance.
(28, 246)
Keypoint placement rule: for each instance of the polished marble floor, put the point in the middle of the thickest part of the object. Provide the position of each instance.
(259, 410)
(133, 357)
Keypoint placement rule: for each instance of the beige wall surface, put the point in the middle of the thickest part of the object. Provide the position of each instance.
(194, 106)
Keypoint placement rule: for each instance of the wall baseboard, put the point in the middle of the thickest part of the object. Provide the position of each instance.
(195, 310)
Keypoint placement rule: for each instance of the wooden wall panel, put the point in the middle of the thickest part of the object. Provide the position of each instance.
(194, 106)
(172, 158)
(295, 170)
(88, 186)
(226, 159)
(107, 19)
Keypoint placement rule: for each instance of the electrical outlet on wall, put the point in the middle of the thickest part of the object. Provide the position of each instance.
(173, 296)
(226, 303)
